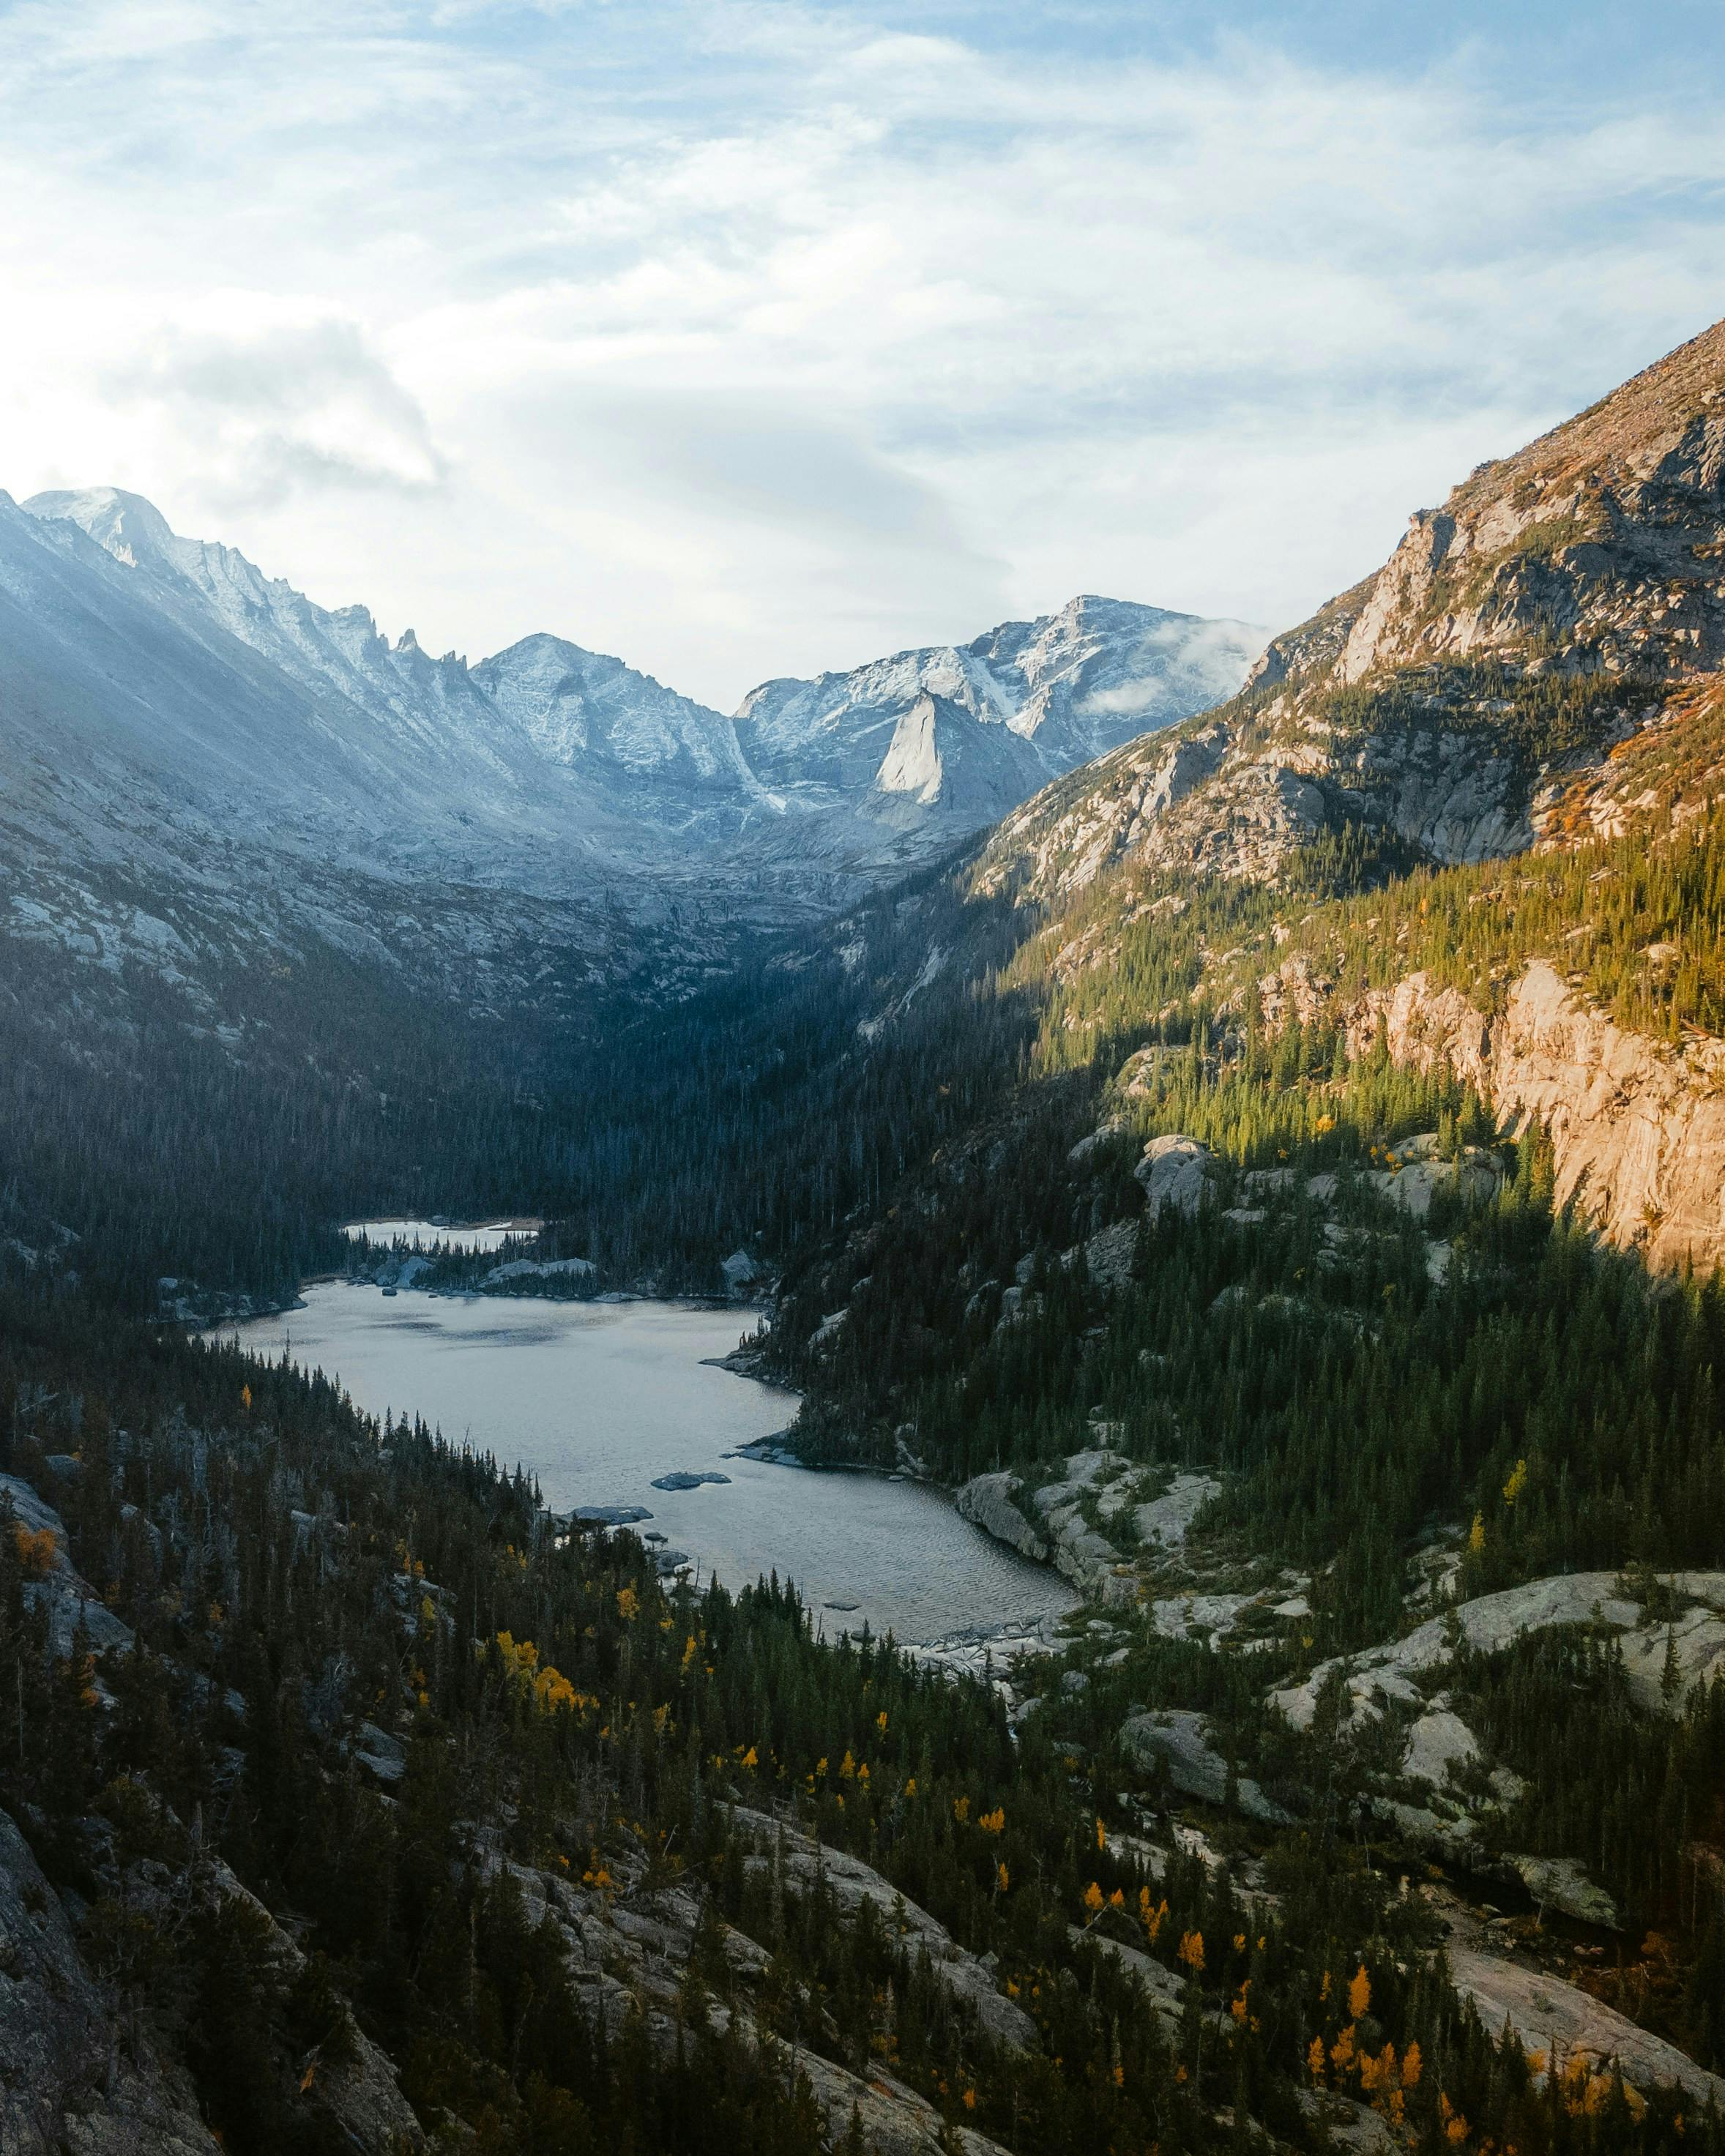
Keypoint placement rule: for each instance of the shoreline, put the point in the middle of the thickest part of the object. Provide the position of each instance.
(984, 1653)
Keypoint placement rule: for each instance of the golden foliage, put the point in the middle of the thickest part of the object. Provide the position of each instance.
(35, 1551)
(547, 1688)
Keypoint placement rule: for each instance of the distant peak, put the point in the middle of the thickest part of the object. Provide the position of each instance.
(130, 528)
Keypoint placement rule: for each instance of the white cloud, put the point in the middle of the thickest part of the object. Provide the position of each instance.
(293, 407)
(745, 339)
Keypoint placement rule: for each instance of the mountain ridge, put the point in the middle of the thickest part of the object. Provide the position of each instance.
(1527, 648)
(563, 697)
(167, 697)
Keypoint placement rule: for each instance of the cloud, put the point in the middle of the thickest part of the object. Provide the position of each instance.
(745, 339)
(295, 407)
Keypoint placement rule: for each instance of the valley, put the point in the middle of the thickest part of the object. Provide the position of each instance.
(599, 1403)
(1241, 1147)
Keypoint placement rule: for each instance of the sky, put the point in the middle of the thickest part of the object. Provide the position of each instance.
(744, 339)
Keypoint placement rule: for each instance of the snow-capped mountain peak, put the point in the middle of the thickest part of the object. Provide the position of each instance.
(132, 530)
(164, 695)
(577, 705)
(1066, 687)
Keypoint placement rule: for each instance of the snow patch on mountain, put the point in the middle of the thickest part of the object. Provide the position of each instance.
(258, 770)
(1043, 695)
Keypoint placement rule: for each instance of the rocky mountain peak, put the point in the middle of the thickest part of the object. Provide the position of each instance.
(1543, 655)
(132, 530)
(1028, 700)
(1604, 532)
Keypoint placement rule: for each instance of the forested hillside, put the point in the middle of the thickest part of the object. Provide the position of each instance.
(388, 1812)
(150, 1131)
(1272, 1180)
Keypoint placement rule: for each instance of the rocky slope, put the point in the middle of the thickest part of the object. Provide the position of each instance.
(70, 2081)
(1233, 1229)
(1540, 665)
(964, 732)
(1467, 700)
(1400, 1711)
(166, 701)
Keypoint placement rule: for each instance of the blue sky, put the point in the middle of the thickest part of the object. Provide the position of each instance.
(745, 339)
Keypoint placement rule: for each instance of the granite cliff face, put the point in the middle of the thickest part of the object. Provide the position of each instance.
(71, 2079)
(1638, 1129)
(1637, 1125)
(1467, 700)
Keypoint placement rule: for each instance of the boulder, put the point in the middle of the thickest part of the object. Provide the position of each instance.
(1438, 1743)
(1081, 1153)
(1174, 1737)
(1455, 1839)
(1174, 1172)
(740, 1271)
(380, 1754)
(1560, 1883)
(1354, 2128)
(990, 1502)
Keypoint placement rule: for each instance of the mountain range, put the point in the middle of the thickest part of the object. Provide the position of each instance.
(1277, 1177)
(176, 716)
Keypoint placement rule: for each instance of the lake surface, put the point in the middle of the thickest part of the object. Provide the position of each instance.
(596, 1399)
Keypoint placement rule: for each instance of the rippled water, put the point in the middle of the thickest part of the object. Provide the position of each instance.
(598, 1398)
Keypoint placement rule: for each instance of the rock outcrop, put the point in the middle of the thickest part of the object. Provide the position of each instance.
(1463, 701)
(991, 1502)
(804, 1862)
(1174, 1172)
(1050, 1520)
(629, 1945)
(1695, 1642)
(71, 2078)
(70, 1603)
(1560, 2019)
(1164, 1522)
(1637, 1128)
(1173, 1739)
